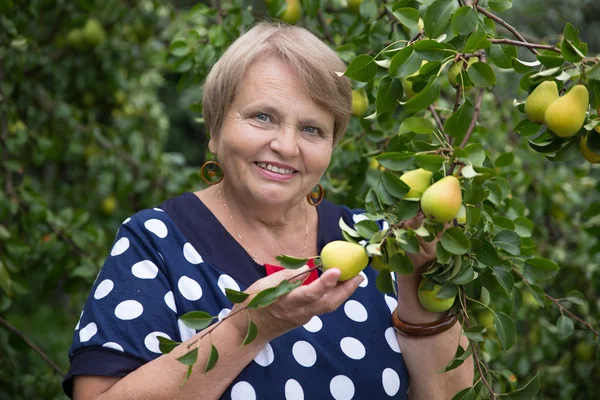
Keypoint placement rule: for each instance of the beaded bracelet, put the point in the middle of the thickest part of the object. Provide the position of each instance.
(428, 329)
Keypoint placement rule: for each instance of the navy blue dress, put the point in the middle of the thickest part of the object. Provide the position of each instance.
(178, 258)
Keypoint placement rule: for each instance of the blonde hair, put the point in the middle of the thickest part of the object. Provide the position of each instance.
(313, 61)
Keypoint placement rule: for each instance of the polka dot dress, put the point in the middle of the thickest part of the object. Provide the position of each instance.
(154, 275)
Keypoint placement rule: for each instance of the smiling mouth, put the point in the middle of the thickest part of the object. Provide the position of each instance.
(272, 168)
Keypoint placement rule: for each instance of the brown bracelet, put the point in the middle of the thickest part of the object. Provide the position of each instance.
(428, 329)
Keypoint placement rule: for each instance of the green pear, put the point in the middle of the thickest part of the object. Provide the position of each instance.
(441, 201)
(350, 258)
(93, 32)
(565, 115)
(418, 180)
(360, 102)
(429, 299)
(293, 12)
(354, 5)
(539, 100)
(457, 68)
(586, 152)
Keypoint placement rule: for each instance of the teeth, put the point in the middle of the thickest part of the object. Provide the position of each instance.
(275, 169)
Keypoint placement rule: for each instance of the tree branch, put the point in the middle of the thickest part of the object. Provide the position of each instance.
(437, 118)
(525, 44)
(474, 119)
(13, 329)
(326, 30)
(505, 24)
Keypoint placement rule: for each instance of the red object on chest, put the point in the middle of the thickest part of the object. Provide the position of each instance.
(314, 275)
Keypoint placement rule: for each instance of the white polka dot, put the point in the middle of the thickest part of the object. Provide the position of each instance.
(185, 331)
(223, 313)
(355, 311)
(227, 282)
(341, 388)
(158, 209)
(314, 325)
(157, 227)
(391, 381)
(190, 254)
(359, 217)
(129, 309)
(353, 348)
(113, 345)
(304, 353)
(151, 341)
(87, 332)
(189, 288)
(144, 270)
(391, 302)
(170, 300)
(78, 322)
(390, 337)
(103, 289)
(393, 274)
(243, 391)
(366, 280)
(120, 247)
(293, 390)
(266, 356)
(126, 221)
(385, 225)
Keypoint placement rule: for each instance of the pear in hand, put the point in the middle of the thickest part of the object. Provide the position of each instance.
(565, 115)
(442, 200)
(418, 180)
(539, 100)
(350, 258)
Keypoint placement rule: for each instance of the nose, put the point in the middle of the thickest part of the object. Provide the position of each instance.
(285, 142)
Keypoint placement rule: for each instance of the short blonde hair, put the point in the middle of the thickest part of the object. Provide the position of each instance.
(312, 60)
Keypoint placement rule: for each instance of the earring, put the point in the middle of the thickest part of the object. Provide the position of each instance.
(315, 197)
(211, 172)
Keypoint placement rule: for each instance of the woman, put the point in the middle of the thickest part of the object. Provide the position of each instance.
(275, 107)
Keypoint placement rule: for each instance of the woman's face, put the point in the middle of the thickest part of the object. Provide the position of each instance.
(275, 142)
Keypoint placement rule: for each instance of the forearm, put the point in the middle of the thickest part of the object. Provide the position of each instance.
(162, 377)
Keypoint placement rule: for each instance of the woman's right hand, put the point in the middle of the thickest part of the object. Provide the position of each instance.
(296, 308)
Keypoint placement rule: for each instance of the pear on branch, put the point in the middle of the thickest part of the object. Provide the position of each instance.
(539, 100)
(565, 115)
(418, 180)
(442, 200)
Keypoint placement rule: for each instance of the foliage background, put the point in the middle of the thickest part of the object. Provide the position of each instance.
(92, 133)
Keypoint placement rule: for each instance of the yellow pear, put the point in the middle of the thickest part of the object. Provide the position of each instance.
(586, 152)
(418, 180)
(407, 85)
(441, 201)
(457, 68)
(565, 115)
(293, 12)
(429, 299)
(93, 32)
(354, 5)
(350, 258)
(539, 100)
(360, 102)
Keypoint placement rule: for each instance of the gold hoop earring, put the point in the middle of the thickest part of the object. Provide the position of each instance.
(211, 172)
(315, 198)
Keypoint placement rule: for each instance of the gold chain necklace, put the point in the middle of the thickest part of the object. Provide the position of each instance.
(241, 241)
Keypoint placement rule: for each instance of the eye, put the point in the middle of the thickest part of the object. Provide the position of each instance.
(262, 117)
(312, 130)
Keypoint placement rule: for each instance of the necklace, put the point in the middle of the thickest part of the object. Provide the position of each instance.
(241, 241)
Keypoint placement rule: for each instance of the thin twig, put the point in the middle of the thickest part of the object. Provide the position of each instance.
(437, 118)
(459, 92)
(506, 25)
(474, 119)
(52, 364)
(525, 44)
(560, 306)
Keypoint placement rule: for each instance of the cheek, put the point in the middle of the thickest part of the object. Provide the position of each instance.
(319, 158)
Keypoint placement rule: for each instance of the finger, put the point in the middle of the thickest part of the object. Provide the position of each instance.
(305, 295)
(336, 297)
(279, 276)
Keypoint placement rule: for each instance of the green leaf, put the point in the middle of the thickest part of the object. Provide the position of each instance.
(401, 264)
(482, 75)
(260, 296)
(457, 124)
(575, 297)
(197, 320)
(565, 326)
(459, 358)
(475, 333)
(213, 357)
(362, 68)
(437, 17)
(442, 255)
(166, 345)
(405, 63)
(505, 279)
(408, 17)
(523, 226)
(500, 5)
(503, 54)
(4, 233)
(179, 47)
(388, 94)
(551, 60)
(477, 40)
(465, 277)
(465, 394)
(384, 283)
(394, 185)
(416, 125)
(594, 73)
(527, 128)
(250, 333)
(425, 97)
(508, 241)
(430, 50)
(473, 216)
(464, 20)
(506, 330)
(487, 254)
(346, 229)
(290, 262)
(540, 269)
(366, 228)
(189, 358)
(503, 222)
(527, 392)
(430, 162)
(395, 161)
(455, 241)
(406, 209)
(235, 296)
